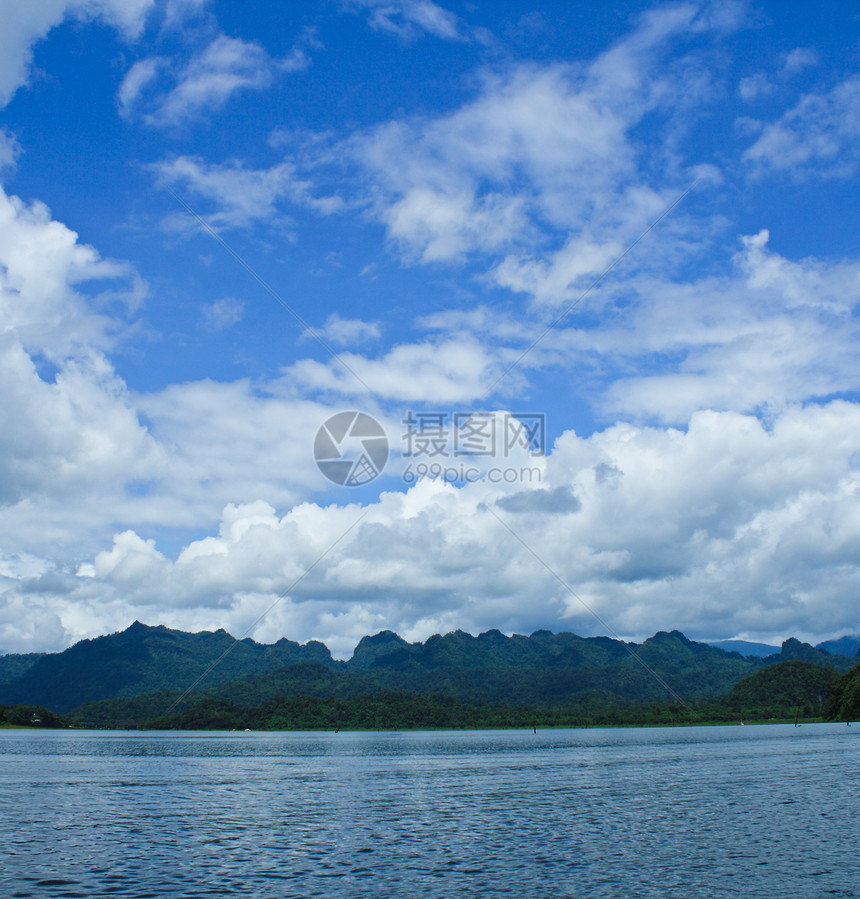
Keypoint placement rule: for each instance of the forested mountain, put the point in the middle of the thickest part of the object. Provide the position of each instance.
(29, 716)
(845, 646)
(141, 659)
(548, 669)
(794, 649)
(140, 673)
(745, 647)
(844, 702)
(782, 689)
(15, 665)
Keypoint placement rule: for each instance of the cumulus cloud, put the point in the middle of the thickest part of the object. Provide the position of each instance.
(41, 264)
(188, 505)
(816, 138)
(178, 13)
(75, 435)
(557, 501)
(226, 442)
(763, 333)
(725, 528)
(71, 435)
(759, 85)
(81, 450)
(445, 182)
(226, 66)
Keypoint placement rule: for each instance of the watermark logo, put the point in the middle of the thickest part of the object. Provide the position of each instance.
(461, 446)
(474, 434)
(351, 448)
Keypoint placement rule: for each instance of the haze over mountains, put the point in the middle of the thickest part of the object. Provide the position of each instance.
(149, 668)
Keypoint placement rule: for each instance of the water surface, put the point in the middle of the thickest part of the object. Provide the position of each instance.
(677, 812)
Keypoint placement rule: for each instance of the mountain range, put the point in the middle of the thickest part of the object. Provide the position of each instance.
(142, 672)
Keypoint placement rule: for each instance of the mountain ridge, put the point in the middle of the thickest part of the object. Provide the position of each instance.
(543, 668)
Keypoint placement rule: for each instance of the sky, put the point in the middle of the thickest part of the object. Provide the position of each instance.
(587, 274)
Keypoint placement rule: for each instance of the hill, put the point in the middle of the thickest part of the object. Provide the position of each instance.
(745, 648)
(140, 673)
(848, 645)
(794, 649)
(844, 702)
(143, 659)
(29, 716)
(779, 690)
(544, 671)
(15, 665)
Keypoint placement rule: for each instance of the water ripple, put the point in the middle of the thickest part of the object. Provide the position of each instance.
(668, 812)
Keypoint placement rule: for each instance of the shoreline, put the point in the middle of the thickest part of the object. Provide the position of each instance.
(766, 722)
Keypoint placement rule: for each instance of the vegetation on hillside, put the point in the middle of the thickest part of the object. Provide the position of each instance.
(787, 688)
(844, 702)
(14, 665)
(29, 716)
(143, 659)
(144, 674)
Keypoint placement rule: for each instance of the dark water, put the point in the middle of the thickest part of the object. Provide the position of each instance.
(686, 812)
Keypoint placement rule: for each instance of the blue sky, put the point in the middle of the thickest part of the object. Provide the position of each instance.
(202, 203)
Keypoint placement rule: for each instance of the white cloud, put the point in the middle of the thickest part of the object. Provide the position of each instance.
(753, 87)
(226, 442)
(130, 563)
(408, 18)
(25, 23)
(773, 332)
(226, 67)
(560, 278)
(129, 16)
(448, 370)
(477, 320)
(722, 529)
(136, 79)
(223, 313)
(78, 450)
(10, 150)
(799, 59)
(41, 262)
(764, 333)
(446, 183)
(346, 331)
(759, 85)
(71, 436)
(178, 13)
(819, 137)
(540, 160)
(241, 196)
(723, 526)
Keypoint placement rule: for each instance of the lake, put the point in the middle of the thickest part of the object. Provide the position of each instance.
(679, 812)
